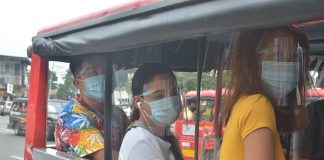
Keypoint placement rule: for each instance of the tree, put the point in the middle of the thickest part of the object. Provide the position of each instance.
(188, 81)
(128, 86)
(66, 90)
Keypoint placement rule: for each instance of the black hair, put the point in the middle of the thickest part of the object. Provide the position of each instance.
(75, 63)
(142, 76)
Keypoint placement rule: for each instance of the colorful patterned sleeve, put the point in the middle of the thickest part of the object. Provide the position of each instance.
(79, 131)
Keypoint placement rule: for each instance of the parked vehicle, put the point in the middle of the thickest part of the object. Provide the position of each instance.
(5, 107)
(185, 125)
(18, 111)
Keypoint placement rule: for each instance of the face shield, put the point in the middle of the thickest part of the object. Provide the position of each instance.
(93, 76)
(159, 89)
(164, 99)
(281, 61)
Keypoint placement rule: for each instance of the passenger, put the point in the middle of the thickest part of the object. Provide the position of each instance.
(268, 71)
(308, 144)
(156, 105)
(79, 129)
(188, 114)
(192, 106)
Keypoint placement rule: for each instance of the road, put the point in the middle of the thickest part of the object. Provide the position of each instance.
(11, 146)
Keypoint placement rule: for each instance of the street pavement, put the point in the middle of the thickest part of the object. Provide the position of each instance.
(11, 146)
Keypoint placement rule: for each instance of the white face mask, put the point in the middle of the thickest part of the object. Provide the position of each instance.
(280, 78)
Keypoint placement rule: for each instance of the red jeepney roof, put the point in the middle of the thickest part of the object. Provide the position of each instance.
(204, 93)
(96, 15)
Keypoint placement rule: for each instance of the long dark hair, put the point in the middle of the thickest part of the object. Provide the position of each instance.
(142, 76)
(246, 77)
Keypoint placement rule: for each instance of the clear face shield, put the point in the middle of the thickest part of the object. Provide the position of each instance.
(92, 75)
(164, 100)
(282, 63)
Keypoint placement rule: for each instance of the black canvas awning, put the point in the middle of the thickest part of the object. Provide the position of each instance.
(185, 21)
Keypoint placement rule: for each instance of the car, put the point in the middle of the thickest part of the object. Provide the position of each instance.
(18, 114)
(5, 107)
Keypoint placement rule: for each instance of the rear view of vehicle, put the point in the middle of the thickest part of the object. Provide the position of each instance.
(18, 113)
(185, 125)
(17, 116)
(5, 107)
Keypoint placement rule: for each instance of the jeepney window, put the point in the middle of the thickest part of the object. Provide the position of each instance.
(23, 107)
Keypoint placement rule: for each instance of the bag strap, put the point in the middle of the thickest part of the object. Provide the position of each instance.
(137, 124)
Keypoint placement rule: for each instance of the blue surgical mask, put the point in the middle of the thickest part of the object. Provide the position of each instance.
(165, 111)
(280, 78)
(95, 87)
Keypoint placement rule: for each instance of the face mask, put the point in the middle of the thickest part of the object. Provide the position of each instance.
(165, 111)
(280, 78)
(95, 87)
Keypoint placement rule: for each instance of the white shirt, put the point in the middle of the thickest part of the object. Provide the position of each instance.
(140, 144)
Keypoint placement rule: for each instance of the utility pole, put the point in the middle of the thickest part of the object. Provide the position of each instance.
(51, 80)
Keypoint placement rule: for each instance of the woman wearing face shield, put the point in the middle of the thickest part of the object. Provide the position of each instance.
(156, 105)
(268, 74)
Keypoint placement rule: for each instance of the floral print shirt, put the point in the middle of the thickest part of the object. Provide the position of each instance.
(79, 131)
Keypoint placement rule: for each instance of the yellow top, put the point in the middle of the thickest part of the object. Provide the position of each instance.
(187, 114)
(248, 114)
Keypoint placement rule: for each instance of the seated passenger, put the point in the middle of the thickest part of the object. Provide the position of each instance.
(79, 129)
(156, 105)
(192, 106)
(188, 114)
(308, 144)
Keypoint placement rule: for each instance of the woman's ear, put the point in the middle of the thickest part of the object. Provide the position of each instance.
(137, 101)
(76, 83)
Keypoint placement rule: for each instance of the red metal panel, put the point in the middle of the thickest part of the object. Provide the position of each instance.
(203, 93)
(36, 114)
(110, 11)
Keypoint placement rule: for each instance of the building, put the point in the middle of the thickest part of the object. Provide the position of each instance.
(13, 70)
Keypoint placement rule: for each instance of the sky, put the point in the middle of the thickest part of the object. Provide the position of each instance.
(22, 19)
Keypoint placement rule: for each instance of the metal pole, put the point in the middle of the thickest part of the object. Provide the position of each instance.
(108, 110)
(201, 51)
(51, 81)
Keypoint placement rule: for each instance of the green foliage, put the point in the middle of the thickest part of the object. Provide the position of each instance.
(226, 78)
(66, 91)
(188, 81)
(128, 86)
